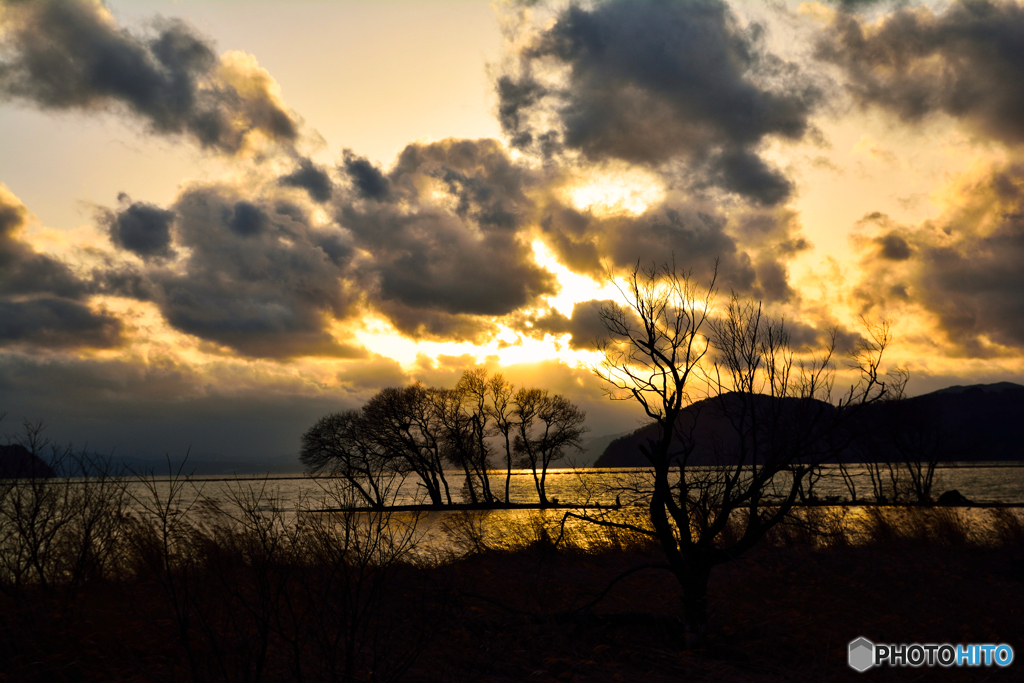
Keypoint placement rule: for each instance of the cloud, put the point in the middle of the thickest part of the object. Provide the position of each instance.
(751, 246)
(367, 178)
(255, 277)
(164, 406)
(893, 247)
(141, 228)
(42, 302)
(963, 268)
(965, 60)
(857, 5)
(807, 337)
(584, 324)
(52, 322)
(311, 178)
(374, 373)
(445, 236)
(439, 245)
(245, 219)
(654, 82)
(72, 55)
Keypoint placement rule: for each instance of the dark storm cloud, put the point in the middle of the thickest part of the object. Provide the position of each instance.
(803, 336)
(965, 268)
(23, 271)
(858, 5)
(432, 323)
(42, 302)
(694, 235)
(149, 410)
(745, 173)
(141, 228)
(652, 81)
(255, 279)
(311, 178)
(258, 278)
(56, 323)
(966, 61)
(893, 247)
(245, 219)
(584, 324)
(440, 245)
(515, 98)
(445, 237)
(367, 178)
(68, 55)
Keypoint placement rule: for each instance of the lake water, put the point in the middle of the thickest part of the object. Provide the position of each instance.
(993, 483)
(211, 497)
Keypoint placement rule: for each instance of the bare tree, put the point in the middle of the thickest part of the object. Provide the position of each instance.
(775, 407)
(404, 422)
(464, 422)
(417, 430)
(341, 444)
(901, 444)
(55, 530)
(502, 411)
(922, 441)
(545, 427)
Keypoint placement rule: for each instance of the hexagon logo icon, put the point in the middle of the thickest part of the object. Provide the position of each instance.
(862, 654)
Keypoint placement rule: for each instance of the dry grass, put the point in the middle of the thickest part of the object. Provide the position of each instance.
(242, 591)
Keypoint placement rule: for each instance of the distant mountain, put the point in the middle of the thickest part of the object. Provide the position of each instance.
(17, 462)
(982, 422)
(998, 387)
(708, 424)
(979, 422)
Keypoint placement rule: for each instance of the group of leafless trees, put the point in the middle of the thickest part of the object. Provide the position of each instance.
(683, 358)
(419, 431)
(900, 443)
(687, 362)
(780, 416)
(53, 530)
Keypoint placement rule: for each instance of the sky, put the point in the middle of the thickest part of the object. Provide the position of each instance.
(222, 220)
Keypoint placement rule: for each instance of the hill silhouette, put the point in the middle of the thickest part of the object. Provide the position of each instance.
(17, 462)
(975, 423)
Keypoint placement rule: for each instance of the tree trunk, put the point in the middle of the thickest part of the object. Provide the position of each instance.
(539, 484)
(485, 483)
(470, 486)
(695, 606)
(433, 487)
(447, 491)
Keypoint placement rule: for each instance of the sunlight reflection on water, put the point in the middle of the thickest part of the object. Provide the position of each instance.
(213, 498)
(981, 484)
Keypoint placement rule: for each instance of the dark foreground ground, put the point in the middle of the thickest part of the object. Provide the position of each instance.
(785, 612)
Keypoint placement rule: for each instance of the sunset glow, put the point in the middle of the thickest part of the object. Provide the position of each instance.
(377, 193)
(629, 191)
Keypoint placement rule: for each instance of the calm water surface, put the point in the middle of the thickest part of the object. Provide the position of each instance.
(995, 483)
(212, 497)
